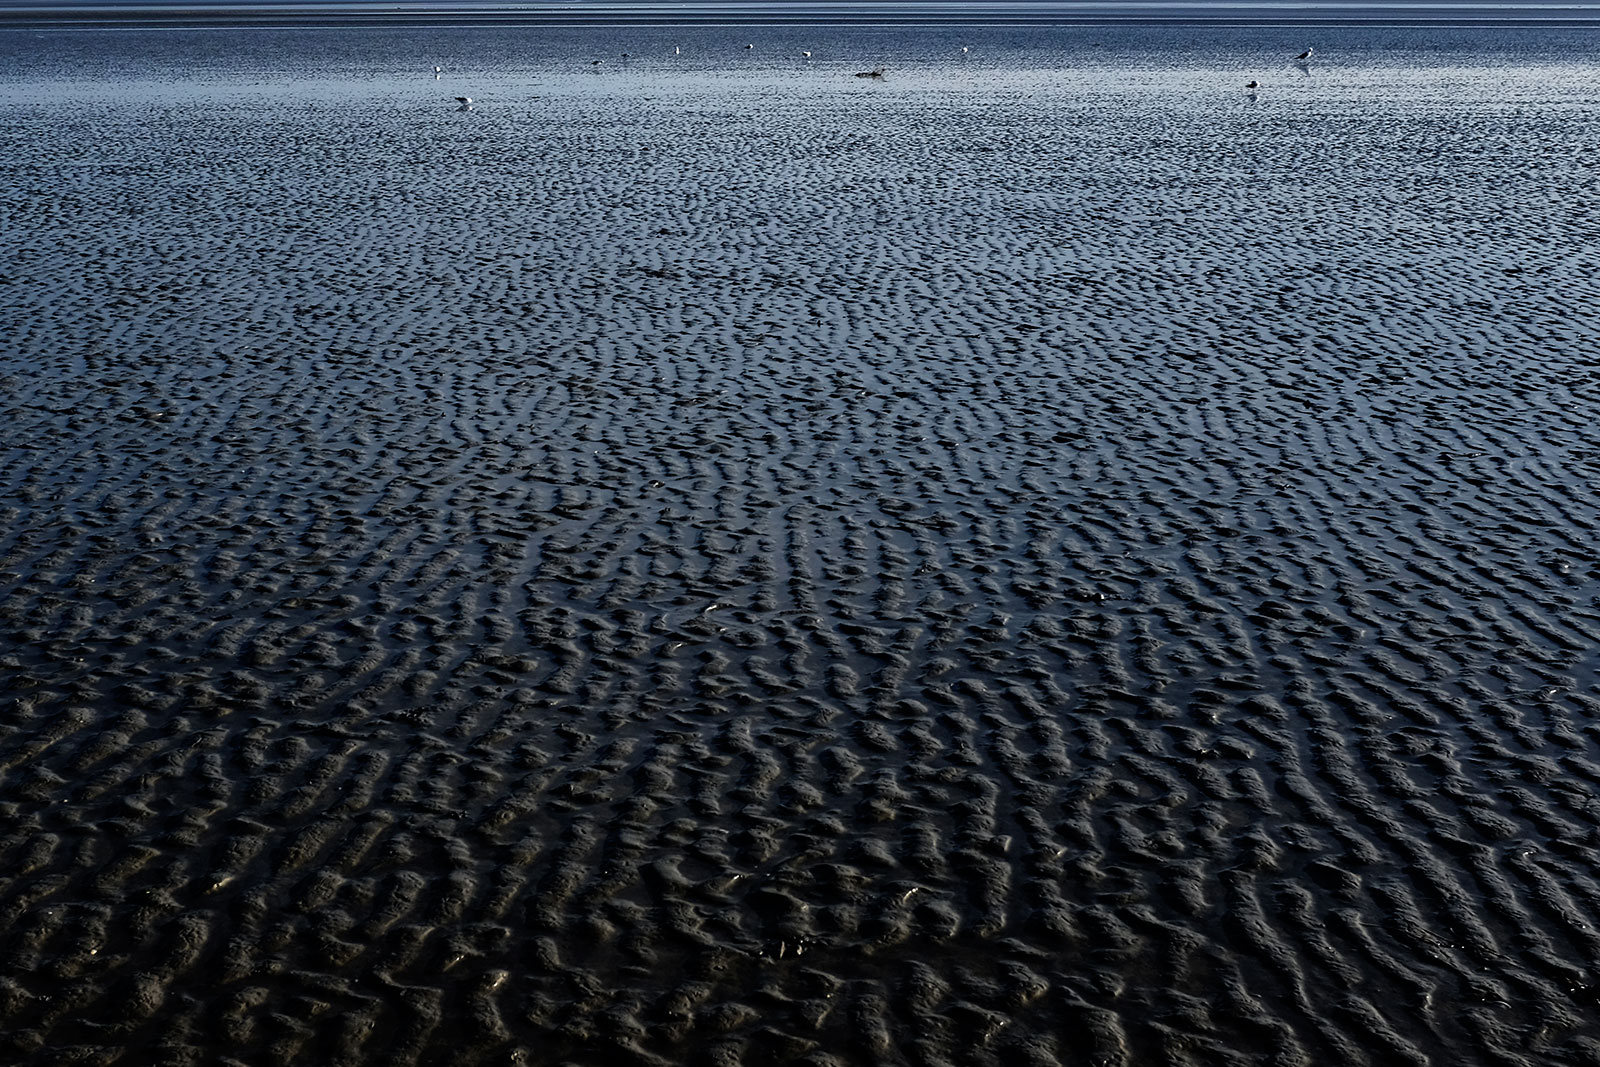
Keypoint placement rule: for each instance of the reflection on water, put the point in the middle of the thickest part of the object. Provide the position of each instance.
(505, 68)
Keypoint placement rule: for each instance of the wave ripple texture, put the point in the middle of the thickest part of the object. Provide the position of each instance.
(1038, 558)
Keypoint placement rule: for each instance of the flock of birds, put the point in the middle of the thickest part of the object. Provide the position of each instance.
(1253, 87)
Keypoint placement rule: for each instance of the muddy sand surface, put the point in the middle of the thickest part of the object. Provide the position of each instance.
(1043, 558)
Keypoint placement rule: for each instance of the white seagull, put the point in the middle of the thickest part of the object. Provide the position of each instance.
(806, 54)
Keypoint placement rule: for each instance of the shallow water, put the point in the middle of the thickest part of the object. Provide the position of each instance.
(1045, 557)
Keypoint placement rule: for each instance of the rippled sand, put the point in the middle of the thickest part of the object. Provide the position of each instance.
(1040, 559)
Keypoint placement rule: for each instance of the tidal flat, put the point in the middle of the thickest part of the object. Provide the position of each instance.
(1043, 557)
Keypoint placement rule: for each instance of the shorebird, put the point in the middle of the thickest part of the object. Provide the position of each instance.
(437, 70)
(875, 72)
(806, 54)
(465, 102)
(749, 46)
(965, 49)
(1303, 56)
(1252, 85)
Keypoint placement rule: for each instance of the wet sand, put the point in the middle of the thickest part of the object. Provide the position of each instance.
(1041, 559)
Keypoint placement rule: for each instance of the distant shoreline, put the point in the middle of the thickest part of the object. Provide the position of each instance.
(128, 16)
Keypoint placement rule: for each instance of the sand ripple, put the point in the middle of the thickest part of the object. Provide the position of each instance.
(954, 571)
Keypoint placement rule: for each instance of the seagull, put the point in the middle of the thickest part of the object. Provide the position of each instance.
(749, 46)
(875, 72)
(437, 70)
(677, 50)
(1252, 85)
(965, 49)
(1303, 56)
(465, 102)
(806, 54)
